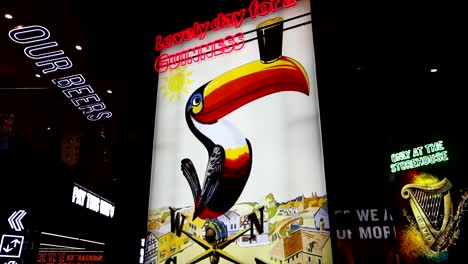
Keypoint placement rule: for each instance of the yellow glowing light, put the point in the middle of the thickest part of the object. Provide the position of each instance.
(411, 243)
(425, 179)
(176, 83)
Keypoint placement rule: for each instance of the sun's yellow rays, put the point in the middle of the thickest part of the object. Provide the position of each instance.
(176, 83)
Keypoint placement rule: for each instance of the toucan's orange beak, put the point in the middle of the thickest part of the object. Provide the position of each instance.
(249, 82)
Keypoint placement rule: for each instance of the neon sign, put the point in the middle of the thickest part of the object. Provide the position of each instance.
(93, 202)
(87, 257)
(74, 87)
(410, 159)
(217, 47)
(200, 29)
(12, 245)
(199, 53)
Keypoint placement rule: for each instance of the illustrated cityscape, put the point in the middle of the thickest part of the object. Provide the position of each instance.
(294, 231)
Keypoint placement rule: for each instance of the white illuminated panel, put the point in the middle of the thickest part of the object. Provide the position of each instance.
(237, 135)
(83, 197)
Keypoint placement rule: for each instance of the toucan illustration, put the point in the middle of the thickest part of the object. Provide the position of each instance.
(229, 151)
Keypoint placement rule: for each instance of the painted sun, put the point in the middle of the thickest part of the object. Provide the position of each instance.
(176, 83)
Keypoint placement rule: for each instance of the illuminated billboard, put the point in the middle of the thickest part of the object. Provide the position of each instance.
(237, 171)
(429, 193)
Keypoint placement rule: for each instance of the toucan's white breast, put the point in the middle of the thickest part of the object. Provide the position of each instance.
(223, 133)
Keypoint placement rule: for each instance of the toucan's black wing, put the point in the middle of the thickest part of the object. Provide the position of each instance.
(190, 174)
(213, 175)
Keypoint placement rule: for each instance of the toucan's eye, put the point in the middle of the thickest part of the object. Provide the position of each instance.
(196, 101)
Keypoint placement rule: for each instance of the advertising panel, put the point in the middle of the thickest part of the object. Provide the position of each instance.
(429, 198)
(237, 171)
(364, 235)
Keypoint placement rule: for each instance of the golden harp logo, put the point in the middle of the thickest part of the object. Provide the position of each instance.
(433, 216)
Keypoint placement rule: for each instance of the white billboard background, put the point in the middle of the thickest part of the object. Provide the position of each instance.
(284, 128)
